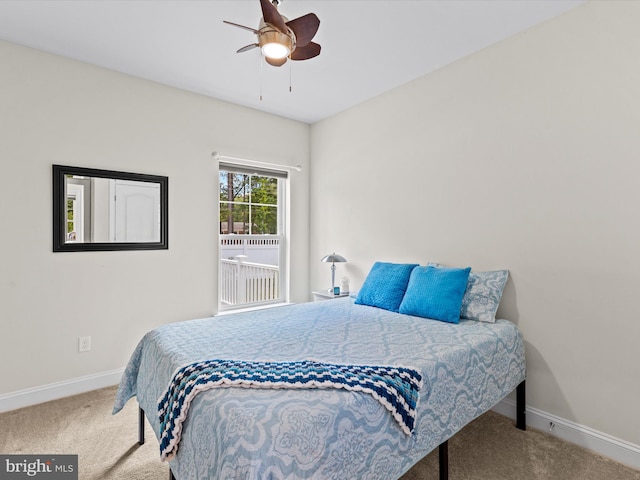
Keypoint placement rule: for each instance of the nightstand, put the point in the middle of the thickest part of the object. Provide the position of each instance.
(319, 295)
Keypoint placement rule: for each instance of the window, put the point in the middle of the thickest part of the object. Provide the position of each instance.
(251, 227)
(74, 213)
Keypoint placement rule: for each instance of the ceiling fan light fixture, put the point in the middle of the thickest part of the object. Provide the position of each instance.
(275, 50)
(274, 44)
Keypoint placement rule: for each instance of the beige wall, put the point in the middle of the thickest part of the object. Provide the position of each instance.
(524, 156)
(54, 110)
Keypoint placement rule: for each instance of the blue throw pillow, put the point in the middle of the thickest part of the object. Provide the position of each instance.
(435, 293)
(385, 285)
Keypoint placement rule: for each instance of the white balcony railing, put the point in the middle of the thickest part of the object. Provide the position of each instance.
(258, 248)
(249, 271)
(248, 283)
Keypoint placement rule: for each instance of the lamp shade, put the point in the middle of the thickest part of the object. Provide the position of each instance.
(333, 258)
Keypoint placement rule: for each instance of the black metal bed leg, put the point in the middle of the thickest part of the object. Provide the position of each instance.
(141, 435)
(140, 426)
(443, 460)
(521, 406)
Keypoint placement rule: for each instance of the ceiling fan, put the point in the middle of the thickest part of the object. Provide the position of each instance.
(280, 38)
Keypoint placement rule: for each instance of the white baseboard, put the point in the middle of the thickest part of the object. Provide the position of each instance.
(53, 391)
(601, 443)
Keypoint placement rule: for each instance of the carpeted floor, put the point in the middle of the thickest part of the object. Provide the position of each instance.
(490, 448)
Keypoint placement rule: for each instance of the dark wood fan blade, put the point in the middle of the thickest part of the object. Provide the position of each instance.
(242, 26)
(276, 62)
(304, 28)
(271, 15)
(247, 48)
(304, 53)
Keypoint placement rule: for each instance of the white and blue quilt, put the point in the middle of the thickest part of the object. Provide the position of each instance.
(250, 433)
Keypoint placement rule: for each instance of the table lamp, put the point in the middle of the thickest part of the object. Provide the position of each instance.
(333, 258)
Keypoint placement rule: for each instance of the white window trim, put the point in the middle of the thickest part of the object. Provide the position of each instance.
(282, 172)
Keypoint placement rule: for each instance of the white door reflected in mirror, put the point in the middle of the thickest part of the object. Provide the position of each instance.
(137, 211)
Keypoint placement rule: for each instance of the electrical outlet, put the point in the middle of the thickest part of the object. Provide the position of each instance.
(84, 344)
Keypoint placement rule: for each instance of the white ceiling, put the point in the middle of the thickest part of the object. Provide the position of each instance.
(368, 47)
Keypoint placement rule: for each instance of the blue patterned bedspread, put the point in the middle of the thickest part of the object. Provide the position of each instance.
(238, 433)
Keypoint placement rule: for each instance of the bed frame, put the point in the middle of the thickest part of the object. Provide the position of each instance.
(443, 449)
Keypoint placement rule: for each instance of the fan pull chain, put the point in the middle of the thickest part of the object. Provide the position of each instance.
(290, 68)
(261, 62)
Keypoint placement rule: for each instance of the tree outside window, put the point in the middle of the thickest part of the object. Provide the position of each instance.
(248, 204)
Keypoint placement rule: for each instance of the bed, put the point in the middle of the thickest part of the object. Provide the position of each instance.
(247, 433)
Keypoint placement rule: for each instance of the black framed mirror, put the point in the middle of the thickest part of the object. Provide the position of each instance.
(102, 210)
